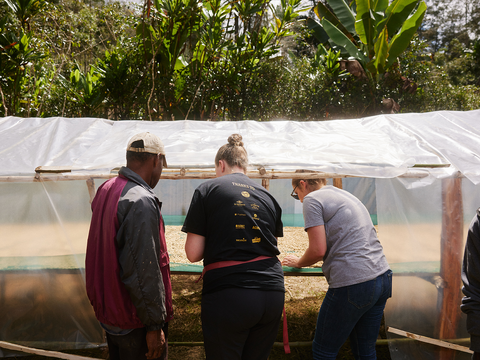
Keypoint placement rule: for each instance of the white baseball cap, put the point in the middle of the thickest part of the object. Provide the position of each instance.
(146, 143)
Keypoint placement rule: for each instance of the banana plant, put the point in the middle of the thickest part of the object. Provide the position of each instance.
(373, 32)
(329, 59)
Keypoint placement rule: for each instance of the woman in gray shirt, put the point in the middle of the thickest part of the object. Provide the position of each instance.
(341, 233)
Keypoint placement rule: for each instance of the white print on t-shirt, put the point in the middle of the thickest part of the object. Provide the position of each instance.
(243, 185)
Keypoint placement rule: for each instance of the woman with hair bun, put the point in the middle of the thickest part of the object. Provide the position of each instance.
(233, 224)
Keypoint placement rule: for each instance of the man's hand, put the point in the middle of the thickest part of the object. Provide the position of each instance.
(290, 260)
(155, 343)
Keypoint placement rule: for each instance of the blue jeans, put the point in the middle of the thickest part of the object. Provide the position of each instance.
(353, 311)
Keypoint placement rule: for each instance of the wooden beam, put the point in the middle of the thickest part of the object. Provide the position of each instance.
(186, 174)
(29, 350)
(64, 173)
(443, 344)
(450, 296)
(53, 169)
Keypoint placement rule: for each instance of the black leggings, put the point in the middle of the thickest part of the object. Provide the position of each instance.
(241, 323)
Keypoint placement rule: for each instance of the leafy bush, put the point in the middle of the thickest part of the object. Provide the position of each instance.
(210, 60)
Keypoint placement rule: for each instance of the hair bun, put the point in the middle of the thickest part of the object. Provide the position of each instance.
(235, 140)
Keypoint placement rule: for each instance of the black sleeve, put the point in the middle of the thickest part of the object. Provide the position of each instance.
(138, 242)
(196, 219)
(278, 224)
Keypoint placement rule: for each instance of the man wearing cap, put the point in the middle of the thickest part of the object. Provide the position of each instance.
(127, 266)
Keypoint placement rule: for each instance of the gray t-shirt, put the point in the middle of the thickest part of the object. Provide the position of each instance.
(354, 253)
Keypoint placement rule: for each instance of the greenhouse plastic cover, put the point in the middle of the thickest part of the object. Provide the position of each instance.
(383, 146)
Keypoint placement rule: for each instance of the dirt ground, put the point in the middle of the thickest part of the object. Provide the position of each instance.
(304, 295)
(294, 241)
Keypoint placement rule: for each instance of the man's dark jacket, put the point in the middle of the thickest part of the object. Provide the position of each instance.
(127, 265)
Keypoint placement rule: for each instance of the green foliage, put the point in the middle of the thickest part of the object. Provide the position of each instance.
(291, 91)
(16, 59)
(462, 64)
(218, 60)
(330, 61)
(435, 89)
(85, 89)
(65, 34)
(116, 85)
(25, 10)
(234, 41)
(174, 31)
(441, 95)
(374, 33)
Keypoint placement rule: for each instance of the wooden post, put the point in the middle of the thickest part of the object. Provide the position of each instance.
(450, 296)
(266, 183)
(337, 182)
(91, 188)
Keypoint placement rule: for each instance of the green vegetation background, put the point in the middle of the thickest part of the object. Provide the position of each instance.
(218, 60)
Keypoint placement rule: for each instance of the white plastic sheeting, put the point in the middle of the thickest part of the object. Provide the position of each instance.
(43, 232)
(383, 146)
(411, 228)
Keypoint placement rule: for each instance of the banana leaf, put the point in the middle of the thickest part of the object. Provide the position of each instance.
(339, 38)
(324, 13)
(344, 14)
(396, 14)
(400, 41)
(380, 5)
(318, 31)
(365, 23)
(381, 51)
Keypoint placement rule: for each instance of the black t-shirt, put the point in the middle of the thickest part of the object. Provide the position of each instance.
(240, 221)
